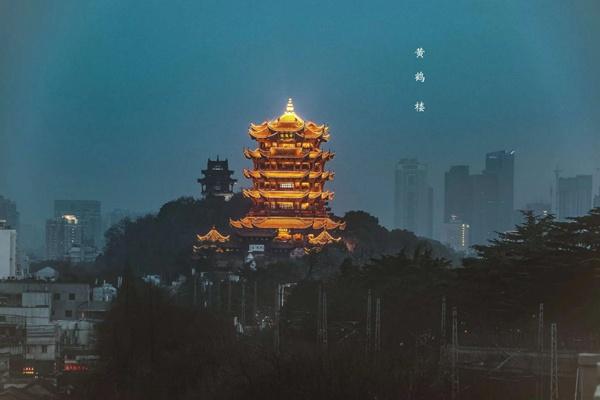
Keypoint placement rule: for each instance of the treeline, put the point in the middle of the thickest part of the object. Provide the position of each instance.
(162, 243)
(154, 346)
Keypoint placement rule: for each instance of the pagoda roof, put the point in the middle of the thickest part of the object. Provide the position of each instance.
(322, 238)
(289, 121)
(288, 174)
(313, 154)
(287, 194)
(316, 223)
(213, 236)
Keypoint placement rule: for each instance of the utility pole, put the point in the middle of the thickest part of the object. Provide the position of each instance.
(319, 316)
(228, 294)
(579, 385)
(454, 360)
(255, 302)
(277, 319)
(195, 285)
(324, 323)
(443, 328)
(378, 325)
(368, 325)
(243, 311)
(540, 349)
(553, 362)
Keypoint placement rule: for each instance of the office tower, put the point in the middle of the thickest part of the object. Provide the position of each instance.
(216, 179)
(501, 164)
(89, 217)
(456, 234)
(8, 251)
(484, 208)
(457, 194)
(574, 196)
(483, 201)
(413, 198)
(9, 213)
(62, 234)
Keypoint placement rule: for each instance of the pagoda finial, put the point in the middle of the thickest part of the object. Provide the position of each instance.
(290, 106)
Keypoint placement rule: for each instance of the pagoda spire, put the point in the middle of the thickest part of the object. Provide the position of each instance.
(290, 106)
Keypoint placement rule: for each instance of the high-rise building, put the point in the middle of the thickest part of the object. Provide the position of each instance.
(456, 234)
(483, 201)
(597, 199)
(9, 213)
(413, 203)
(8, 251)
(89, 217)
(574, 196)
(501, 164)
(62, 235)
(458, 194)
(484, 212)
(216, 179)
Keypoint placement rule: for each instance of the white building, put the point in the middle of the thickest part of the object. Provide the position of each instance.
(8, 252)
(456, 234)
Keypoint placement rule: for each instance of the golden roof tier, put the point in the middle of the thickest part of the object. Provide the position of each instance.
(289, 122)
(288, 178)
(296, 223)
(212, 240)
(213, 236)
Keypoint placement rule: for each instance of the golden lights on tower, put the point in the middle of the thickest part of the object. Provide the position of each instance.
(288, 179)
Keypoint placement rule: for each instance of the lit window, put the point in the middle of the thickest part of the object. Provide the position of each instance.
(287, 185)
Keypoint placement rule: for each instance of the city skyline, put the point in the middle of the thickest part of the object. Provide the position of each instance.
(129, 115)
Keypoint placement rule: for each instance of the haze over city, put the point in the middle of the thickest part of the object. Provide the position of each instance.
(124, 102)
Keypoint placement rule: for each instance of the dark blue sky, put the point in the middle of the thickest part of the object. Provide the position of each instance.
(123, 101)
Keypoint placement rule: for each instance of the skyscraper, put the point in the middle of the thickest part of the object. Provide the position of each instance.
(458, 194)
(456, 234)
(574, 196)
(8, 251)
(89, 217)
(484, 208)
(62, 234)
(501, 164)
(9, 213)
(413, 203)
(485, 202)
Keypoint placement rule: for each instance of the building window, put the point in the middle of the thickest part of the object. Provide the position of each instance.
(286, 185)
(71, 296)
(68, 313)
(56, 296)
(44, 348)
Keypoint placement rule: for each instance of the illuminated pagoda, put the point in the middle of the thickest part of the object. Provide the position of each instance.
(212, 240)
(216, 180)
(289, 201)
